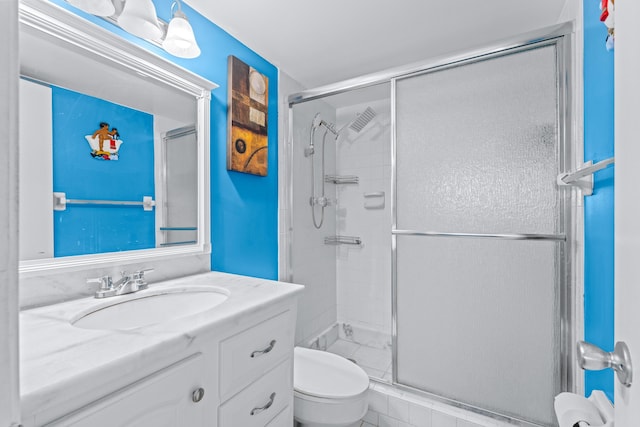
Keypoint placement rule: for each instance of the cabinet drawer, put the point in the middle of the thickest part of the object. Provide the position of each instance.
(246, 356)
(258, 404)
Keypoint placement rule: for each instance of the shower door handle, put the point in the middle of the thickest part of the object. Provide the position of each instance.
(593, 358)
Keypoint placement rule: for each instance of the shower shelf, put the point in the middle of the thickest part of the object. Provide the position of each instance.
(341, 179)
(342, 240)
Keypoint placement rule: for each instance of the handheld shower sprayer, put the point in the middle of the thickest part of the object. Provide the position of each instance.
(330, 127)
(315, 124)
(318, 121)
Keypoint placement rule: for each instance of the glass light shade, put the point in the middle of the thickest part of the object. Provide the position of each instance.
(180, 40)
(139, 18)
(94, 7)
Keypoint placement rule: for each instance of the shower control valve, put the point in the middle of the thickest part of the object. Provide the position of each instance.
(320, 201)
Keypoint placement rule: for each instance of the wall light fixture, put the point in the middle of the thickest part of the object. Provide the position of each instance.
(138, 17)
(180, 40)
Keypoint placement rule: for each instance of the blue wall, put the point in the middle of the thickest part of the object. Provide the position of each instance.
(82, 229)
(598, 145)
(244, 208)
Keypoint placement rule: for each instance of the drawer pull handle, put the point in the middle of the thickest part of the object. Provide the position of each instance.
(256, 411)
(265, 351)
(197, 394)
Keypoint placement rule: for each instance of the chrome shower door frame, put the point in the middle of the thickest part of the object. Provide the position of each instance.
(566, 239)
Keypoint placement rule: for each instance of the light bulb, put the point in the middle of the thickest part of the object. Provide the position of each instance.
(139, 18)
(180, 40)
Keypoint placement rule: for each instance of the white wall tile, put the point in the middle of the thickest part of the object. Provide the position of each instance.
(419, 415)
(385, 421)
(399, 408)
(364, 155)
(378, 402)
(439, 419)
(371, 417)
(313, 263)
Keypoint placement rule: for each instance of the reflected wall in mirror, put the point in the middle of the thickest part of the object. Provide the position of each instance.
(112, 152)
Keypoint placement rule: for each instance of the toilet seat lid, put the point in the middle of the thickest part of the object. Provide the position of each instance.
(322, 374)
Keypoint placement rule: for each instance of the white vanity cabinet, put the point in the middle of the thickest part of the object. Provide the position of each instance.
(173, 397)
(229, 366)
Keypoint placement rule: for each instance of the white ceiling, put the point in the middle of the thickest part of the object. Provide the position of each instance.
(327, 41)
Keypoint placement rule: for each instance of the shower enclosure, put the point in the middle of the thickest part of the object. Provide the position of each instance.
(178, 171)
(443, 263)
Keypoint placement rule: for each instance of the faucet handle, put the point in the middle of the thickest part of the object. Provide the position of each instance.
(138, 278)
(105, 282)
(140, 273)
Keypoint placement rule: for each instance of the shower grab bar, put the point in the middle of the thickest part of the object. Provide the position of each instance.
(342, 240)
(583, 177)
(341, 179)
(60, 202)
(551, 237)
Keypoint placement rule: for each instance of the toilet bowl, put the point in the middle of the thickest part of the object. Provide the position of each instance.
(329, 390)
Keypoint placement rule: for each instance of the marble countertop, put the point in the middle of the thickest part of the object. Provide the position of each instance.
(55, 355)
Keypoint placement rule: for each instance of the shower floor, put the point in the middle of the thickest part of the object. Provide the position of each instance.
(375, 361)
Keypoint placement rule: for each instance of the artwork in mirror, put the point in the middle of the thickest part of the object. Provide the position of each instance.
(111, 143)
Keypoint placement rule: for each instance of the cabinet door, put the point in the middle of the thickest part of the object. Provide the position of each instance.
(164, 399)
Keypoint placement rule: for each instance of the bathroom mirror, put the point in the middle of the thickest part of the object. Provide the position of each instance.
(113, 159)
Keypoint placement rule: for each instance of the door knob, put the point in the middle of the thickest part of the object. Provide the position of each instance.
(593, 358)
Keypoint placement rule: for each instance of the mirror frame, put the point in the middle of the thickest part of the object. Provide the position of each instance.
(68, 28)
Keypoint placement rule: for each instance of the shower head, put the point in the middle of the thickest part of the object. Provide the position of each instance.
(362, 120)
(319, 121)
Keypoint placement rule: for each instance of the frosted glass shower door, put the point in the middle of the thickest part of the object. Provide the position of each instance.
(479, 234)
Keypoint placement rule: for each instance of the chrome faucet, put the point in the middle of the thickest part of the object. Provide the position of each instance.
(127, 284)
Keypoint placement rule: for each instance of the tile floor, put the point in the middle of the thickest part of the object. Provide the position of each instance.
(375, 361)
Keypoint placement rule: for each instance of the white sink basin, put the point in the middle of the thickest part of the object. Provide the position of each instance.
(148, 309)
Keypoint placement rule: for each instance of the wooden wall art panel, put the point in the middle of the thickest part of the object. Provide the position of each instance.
(247, 143)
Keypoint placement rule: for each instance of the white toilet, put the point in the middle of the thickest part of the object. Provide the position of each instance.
(329, 390)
